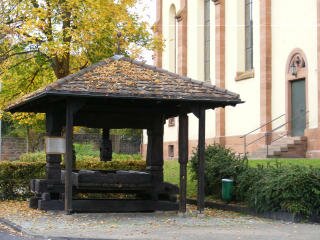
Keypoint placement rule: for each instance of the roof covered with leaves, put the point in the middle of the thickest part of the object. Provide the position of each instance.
(121, 77)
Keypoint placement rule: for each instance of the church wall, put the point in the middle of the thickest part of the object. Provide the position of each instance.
(294, 29)
(293, 26)
(244, 117)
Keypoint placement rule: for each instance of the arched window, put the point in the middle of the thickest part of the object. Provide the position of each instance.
(172, 44)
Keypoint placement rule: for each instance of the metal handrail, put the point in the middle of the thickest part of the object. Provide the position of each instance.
(269, 132)
(262, 125)
(297, 117)
(245, 135)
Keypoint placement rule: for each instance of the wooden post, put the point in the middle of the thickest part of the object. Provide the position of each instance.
(183, 160)
(201, 149)
(149, 147)
(68, 158)
(105, 146)
(155, 151)
(54, 123)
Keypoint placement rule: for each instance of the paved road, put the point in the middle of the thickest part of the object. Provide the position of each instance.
(8, 234)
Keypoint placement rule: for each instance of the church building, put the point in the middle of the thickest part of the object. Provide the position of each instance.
(268, 51)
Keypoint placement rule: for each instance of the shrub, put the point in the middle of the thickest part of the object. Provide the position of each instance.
(33, 157)
(15, 176)
(220, 162)
(96, 164)
(294, 189)
(41, 156)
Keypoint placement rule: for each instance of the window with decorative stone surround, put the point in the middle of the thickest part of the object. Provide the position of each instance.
(172, 41)
(248, 35)
(244, 40)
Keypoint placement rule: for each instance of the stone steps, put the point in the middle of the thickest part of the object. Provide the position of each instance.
(286, 147)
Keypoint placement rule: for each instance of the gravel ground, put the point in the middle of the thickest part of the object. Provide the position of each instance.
(214, 224)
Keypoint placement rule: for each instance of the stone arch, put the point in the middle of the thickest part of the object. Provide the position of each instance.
(298, 58)
(217, 1)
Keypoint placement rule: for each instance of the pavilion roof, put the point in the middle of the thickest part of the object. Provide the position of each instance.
(124, 78)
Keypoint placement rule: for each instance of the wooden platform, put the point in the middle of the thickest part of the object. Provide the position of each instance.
(110, 205)
(146, 195)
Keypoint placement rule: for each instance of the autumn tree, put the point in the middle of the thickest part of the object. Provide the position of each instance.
(42, 40)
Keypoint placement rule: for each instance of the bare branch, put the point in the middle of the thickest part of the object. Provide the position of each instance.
(17, 53)
(33, 78)
(19, 63)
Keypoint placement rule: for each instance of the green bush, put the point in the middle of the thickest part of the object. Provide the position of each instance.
(15, 176)
(33, 157)
(41, 156)
(294, 189)
(268, 187)
(96, 164)
(220, 162)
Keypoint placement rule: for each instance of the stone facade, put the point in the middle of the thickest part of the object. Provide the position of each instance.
(277, 36)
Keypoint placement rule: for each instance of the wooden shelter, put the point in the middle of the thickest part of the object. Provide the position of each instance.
(121, 93)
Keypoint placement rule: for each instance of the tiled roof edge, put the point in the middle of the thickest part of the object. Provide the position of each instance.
(161, 70)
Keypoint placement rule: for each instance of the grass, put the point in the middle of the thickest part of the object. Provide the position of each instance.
(286, 161)
(171, 174)
(86, 150)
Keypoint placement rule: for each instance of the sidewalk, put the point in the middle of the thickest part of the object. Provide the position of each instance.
(214, 224)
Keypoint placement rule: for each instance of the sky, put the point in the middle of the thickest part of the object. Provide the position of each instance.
(147, 10)
(150, 12)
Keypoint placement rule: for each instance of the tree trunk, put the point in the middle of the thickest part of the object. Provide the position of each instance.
(61, 66)
(28, 139)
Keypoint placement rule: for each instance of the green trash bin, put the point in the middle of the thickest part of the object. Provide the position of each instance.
(227, 186)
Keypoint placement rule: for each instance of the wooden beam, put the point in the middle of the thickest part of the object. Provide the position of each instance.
(201, 152)
(155, 153)
(112, 121)
(123, 205)
(110, 205)
(68, 158)
(183, 160)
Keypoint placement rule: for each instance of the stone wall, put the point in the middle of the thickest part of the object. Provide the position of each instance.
(12, 148)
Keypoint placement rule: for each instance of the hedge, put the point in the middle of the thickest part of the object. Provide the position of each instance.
(15, 176)
(294, 189)
(80, 154)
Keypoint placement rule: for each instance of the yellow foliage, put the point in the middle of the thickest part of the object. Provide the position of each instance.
(25, 119)
(45, 40)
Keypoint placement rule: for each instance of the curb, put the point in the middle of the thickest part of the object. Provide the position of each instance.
(13, 226)
(282, 216)
(20, 229)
